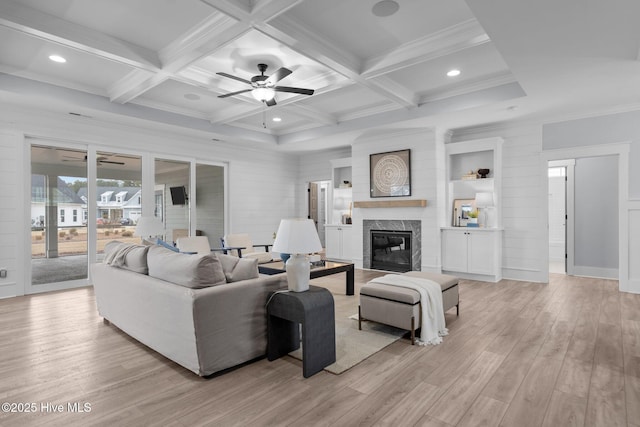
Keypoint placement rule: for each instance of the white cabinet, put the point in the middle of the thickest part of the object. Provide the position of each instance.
(339, 242)
(472, 253)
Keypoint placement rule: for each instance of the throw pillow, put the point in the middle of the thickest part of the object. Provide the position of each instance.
(167, 245)
(136, 259)
(128, 256)
(237, 269)
(192, 271)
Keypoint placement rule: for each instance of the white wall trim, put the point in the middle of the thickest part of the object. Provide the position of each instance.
(597, 272)
(622, 151)
(633, 219)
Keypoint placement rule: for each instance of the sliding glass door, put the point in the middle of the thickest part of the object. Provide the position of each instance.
(118, 198)
(58, 215)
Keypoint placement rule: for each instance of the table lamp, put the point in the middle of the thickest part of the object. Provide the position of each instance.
(484, 201)
(297, 237)
(148, 227)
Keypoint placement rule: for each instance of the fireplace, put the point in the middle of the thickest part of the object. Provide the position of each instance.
(404, 235)
(391, 250)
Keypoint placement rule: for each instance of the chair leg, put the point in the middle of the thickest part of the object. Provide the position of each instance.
(359, 318)
(458, 309)
(413, 330)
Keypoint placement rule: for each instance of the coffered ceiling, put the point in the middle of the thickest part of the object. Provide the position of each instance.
(157, 60)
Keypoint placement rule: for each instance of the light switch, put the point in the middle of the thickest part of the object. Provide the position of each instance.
(3, 273)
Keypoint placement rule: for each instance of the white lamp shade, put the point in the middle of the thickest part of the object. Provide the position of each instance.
(297, 236)
(484, 200)
(149, 226)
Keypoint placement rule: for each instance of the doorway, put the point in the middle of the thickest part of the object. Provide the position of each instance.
(317, 205)
(560, 215)
(583, 216)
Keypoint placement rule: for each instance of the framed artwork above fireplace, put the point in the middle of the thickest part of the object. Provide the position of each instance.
(390, 174)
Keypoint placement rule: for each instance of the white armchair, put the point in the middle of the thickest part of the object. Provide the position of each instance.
(248, 248)
(198, 244)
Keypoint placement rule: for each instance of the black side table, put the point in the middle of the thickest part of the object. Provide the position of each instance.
(314, 309)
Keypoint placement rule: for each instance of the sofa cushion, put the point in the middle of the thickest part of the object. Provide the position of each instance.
(128, 256)
(237, 269)
(192, 271)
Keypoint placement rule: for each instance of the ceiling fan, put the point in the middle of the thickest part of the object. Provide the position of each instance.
(99, 160)
(263, 88)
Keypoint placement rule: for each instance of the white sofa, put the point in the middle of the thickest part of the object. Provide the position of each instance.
(206, 313)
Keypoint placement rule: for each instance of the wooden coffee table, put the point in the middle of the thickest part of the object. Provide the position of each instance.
(329, 267)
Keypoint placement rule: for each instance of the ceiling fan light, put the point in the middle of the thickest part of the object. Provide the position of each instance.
(263, 94)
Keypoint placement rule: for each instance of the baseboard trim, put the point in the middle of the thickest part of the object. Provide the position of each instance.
(596, 272)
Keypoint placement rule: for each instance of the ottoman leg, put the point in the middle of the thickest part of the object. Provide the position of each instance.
(413, 330)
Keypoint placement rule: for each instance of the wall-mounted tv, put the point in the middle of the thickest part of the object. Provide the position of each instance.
(179, 195)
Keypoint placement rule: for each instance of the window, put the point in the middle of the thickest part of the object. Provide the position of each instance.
(120, 197)
(75, 215)
(106, 196)
(61, 215)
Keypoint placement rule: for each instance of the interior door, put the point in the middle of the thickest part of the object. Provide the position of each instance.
(313, 202)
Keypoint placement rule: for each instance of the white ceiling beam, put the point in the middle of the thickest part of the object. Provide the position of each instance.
(445, 42)
(301, 40)
(55, 30)
(211, 34)
(257, 11)
(229, 22)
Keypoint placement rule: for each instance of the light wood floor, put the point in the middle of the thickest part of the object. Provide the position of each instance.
(520, 354)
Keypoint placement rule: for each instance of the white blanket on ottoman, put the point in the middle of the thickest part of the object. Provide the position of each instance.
(433, 326)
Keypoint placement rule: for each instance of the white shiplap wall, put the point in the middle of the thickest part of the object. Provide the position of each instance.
(424, 185)
(12, 213)
(262, 182)
(524, 222)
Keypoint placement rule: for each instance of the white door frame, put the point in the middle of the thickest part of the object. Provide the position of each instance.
(621, 150)
(569, 245)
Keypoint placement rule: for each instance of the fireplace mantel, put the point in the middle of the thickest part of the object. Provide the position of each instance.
(414, 203)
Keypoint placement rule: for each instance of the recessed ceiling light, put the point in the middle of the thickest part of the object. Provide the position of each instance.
(192, 96)
(276, 119)
(453, 73)
(57, 58)
(385, 8)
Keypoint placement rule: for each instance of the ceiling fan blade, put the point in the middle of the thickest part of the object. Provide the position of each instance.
(270, 102)
(109, 161)
(277, 76)
(299, 90)
(234, 78)
(234, 93)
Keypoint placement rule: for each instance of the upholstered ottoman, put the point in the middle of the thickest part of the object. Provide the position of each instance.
(400, 307)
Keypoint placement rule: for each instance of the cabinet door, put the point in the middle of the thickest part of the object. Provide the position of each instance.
(332, 242)
(347, 244)
(454, 250)
(481, 253)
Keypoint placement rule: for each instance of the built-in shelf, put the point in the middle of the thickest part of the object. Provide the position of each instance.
(415, 203)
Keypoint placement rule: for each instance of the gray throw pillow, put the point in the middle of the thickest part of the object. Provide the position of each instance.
(192, 271)
(237, 269)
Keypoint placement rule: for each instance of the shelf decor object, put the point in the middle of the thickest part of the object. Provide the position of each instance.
(483, 202)
(297, 237)
(390, 174)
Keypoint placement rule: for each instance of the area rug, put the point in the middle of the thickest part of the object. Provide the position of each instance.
(352, 345)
